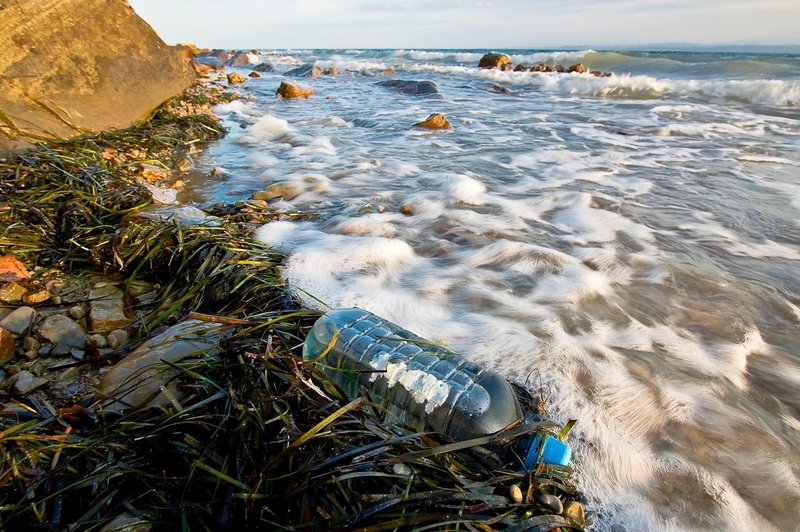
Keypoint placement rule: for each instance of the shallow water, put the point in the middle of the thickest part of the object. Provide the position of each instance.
(631, 242)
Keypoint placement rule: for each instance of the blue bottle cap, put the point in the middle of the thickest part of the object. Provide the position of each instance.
(554, 452)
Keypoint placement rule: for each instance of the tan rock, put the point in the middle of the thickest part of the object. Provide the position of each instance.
(573, 510)
(494, 60)
(153, 173)
(288, 90)
(107, 310)
(33, 297)
(306, 71)
(117, 338)
(7, 346)
(12, 269)
(287, 191)
(578, 67)
(19, 320)
(11, 293)
(254, 74)
(235, 78)
(407, 209)
(201, 69)
(58, 75)
(238, 59)
(435, 121)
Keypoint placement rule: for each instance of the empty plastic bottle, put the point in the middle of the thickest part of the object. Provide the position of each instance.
(425, 385)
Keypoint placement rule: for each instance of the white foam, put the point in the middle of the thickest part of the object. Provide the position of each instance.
(267, 127)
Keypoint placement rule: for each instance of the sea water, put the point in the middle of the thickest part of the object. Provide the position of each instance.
(631, 244)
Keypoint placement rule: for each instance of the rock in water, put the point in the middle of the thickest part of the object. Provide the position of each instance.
(414, 88)
(289, 90)
(435, 121)
(137, 379)
(235, 79)
(263, 67)
(214, 59)
(306, 71)
(238, 59)
(494, 60)
(573, 510)
(63, 333)
(94, 63)
(578, 67)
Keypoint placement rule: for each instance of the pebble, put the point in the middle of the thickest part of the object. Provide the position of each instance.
(55, 286)
(19, 320)
(574, 510)
(77, 354)
(31, 343)
(96, 341)
(515, 493)
(402, 470)
(24, 382)
(36, 296)
(117, 338)
(551, 503)
(7, 346)
(11, 293)
(31, 354)
(55, 300)
(77, 312)
(407, 209)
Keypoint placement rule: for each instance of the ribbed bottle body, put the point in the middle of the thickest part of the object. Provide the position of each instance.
(425, 385)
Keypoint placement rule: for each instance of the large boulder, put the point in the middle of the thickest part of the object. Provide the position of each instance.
(70, 66)
(413, 88)
(494, 60)
(238, 59)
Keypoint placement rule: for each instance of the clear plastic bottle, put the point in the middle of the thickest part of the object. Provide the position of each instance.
(425, 385)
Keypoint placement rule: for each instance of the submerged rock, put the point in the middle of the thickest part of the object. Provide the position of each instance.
(263, 67)
(64, 333)
(414, 88)
(306, 71)
(494, 60)
(137, 379)
(287, 191)
(289, 90)
(254, 74)
(435, 121)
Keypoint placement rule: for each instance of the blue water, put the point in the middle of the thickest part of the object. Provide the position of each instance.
(631, 242)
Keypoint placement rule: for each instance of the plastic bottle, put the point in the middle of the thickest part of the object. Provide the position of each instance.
(425, 385)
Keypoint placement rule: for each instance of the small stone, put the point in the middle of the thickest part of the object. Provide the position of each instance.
(69, 373)
(55, 286)
(306, 71)
(77, 354)
(7, 346)
(36, 296)
(289, 90)
(435, 121)
(45, 350)
(551, 503)
(254, 74)
(217, 172)
(55, 300)
(515, 493)
(177, 185)
(117, 338)
(573, 510)
(501, 89)
(11, 293)
(236, 78)
(153, 173)
(287, 191)
(31, 354)
(63, 333)
(77, 312)
(407, 209)
(107, 309)
(183, 165)
(96, 341)
(31, 343)
(19, 321)
(24, 383)
(402, 469)
(331, 71)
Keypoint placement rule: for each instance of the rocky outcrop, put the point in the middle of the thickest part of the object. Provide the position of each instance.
(289, 90)
(494, 60)
(435, 121)
(413, 88)
(70, 66)
(306, 71)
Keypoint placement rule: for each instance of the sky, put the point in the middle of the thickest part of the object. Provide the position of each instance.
(470, 23)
